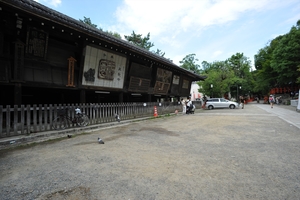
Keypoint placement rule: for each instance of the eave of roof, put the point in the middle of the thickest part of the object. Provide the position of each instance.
(40, 10)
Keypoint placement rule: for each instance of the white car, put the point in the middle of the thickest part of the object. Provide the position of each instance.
(220, 103)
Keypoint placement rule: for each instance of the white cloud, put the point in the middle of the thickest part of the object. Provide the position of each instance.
(293, 19)
(209, 28)
(170, 41)
(158, 16)
(217, 53)
(150, 16)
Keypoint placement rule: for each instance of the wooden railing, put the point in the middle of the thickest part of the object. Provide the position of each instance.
(284, 90)
(22, 120)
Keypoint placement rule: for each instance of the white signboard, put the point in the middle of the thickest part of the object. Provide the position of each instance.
(103, 68)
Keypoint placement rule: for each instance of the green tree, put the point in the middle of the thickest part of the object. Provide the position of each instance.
(115, 34)
(240, 64)
(286, 57)
(88, 21)
(205, 66)
(220, 76)
(140, 41)
(225, 77)
(159, 52)
(189, 63)
(265, 76)
(277, 64)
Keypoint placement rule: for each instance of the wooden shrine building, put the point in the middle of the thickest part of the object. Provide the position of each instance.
(47, 57)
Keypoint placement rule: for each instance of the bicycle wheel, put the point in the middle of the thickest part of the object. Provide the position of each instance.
(60, 122)
(83, 120)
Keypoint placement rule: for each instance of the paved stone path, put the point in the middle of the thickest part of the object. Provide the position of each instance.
(287, 113)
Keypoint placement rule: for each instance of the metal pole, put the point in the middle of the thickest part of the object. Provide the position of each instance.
(237, 93)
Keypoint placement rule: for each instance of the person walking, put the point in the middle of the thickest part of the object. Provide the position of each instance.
(278, 100)
(183, 103)
(242, 101)
(204, 102)
(271, 100)
(188, 105)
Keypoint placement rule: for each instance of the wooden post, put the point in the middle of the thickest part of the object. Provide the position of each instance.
(121, 97)
(18, 94)
(82, 96)
(71, 72)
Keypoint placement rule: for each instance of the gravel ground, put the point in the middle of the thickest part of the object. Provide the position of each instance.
(218, 154)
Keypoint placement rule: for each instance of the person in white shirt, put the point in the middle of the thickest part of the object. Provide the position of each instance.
(271, 100)
(183, 103)
(188, 105)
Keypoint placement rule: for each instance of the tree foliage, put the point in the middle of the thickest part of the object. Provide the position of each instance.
(159, 52)
(265, 77)
(286, 57)
(223, 77)
(277, 65)
(240, 65)
(219, 79)
(140, 41)
(88, 21)
(115, 34)
(143, 42)
(278, 62)
(189, 63)
(134, 38)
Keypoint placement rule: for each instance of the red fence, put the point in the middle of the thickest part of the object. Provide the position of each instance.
(284, 90)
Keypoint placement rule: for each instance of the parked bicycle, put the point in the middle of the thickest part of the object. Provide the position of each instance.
(64, 120)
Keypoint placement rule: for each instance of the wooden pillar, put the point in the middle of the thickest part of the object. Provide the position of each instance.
(167, 98)
(17, 76)
(82, 96)
(121, 98)
(62, 97)
(149, 97)
(18, 94)
(18, 61)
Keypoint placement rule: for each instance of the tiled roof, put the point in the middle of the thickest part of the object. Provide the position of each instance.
(40, 10)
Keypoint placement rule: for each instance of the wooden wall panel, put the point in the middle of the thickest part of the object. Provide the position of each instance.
(4, 67)
(141, 71)
(175, 90)
(140, 78)
(36, 43)
(163, 81)
(57, 77)
(137, 84)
